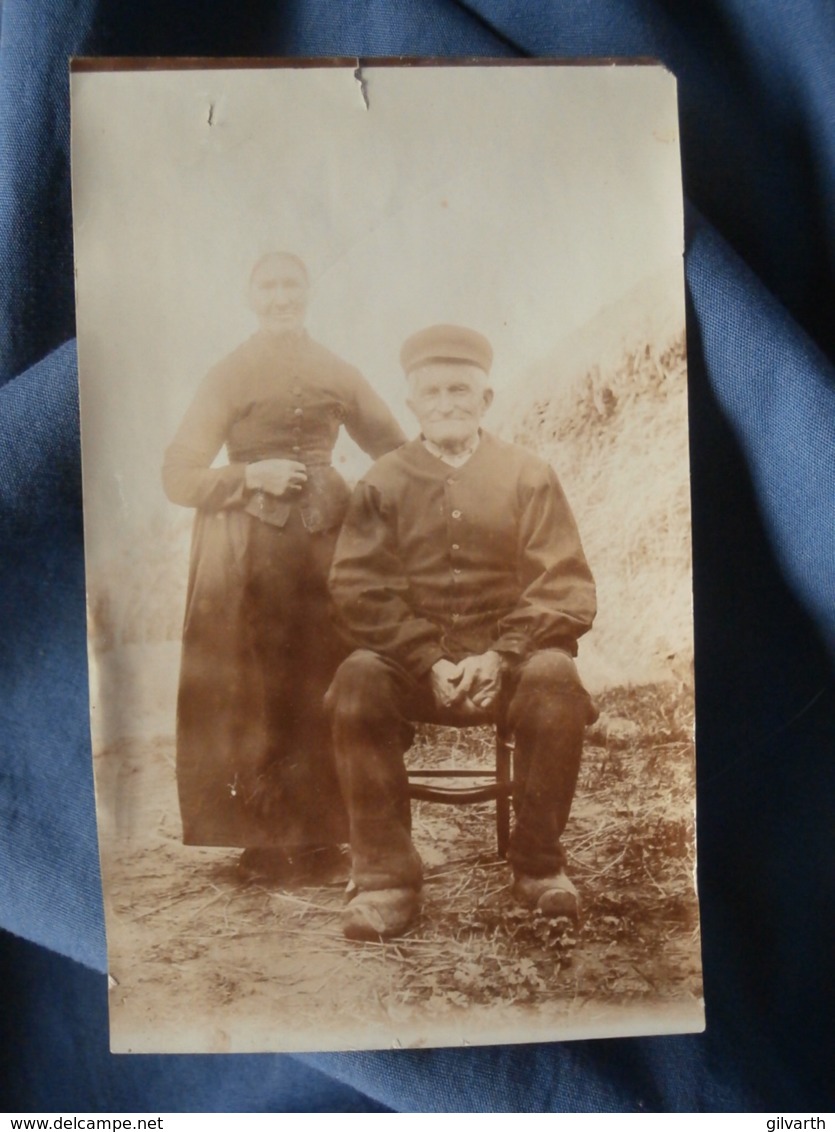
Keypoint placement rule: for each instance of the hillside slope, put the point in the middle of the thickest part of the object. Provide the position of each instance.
(617, 438)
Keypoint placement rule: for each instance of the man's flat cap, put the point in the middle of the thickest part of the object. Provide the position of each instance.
(446, 344)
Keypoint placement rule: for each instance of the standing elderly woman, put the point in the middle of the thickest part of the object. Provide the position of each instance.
(254, 761)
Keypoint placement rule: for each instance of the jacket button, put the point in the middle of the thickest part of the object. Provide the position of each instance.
(455, 546)
(298, 412)
(456, 514)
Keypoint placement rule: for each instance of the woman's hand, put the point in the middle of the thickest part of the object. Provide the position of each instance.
(276, 477)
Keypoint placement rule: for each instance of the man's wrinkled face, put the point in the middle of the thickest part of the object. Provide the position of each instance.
(449, 399)
(278, 294)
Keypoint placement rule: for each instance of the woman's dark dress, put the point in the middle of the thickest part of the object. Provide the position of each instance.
(254, 761)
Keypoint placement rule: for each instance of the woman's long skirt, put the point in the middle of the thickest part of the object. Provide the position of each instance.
(254, 761)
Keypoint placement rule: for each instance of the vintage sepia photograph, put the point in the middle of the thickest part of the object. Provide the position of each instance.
(383, 389)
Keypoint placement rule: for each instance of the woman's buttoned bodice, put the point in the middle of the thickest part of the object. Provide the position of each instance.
(275, 399)
(289, 404)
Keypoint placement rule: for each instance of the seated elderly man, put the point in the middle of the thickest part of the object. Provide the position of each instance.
(460, 577)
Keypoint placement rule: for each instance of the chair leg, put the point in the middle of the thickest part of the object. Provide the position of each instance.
(504, 779)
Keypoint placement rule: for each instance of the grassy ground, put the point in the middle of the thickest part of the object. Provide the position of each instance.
(630, 848)
(203, 959)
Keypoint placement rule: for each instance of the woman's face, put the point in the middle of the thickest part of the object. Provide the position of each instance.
(278, 294)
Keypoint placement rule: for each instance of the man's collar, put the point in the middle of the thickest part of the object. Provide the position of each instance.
(456, 461)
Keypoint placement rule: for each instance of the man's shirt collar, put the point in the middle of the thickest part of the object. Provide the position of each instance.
(456, 461)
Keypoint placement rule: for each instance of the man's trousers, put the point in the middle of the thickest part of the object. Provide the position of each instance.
(373, 703)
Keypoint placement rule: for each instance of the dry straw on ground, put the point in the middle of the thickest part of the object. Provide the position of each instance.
(194, 936)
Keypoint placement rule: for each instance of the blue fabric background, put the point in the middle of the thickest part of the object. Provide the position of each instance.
(757, 95)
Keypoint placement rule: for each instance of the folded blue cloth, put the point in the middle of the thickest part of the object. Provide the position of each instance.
(757, 96)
